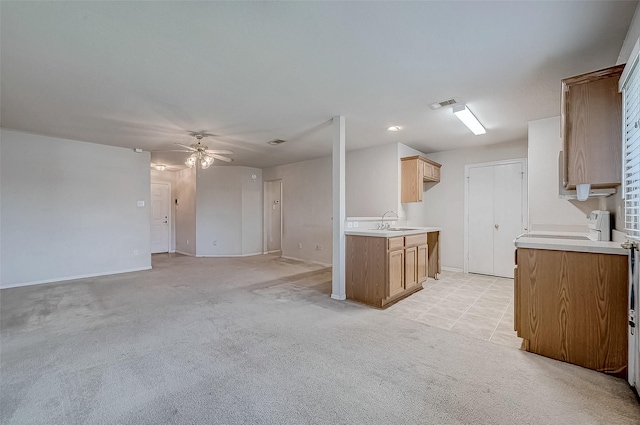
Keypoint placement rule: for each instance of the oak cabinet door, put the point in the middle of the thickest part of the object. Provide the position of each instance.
(423, 263)
(396, 272)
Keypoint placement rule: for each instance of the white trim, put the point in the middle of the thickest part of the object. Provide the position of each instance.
(229, 255)
(633, 58)
(80, 276)
(306, 261)
(338, 155)
(452, 269)
(525, 198)
(274, 251)
(338, 297)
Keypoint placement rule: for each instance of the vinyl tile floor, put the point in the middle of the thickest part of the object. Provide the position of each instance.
(471, 304)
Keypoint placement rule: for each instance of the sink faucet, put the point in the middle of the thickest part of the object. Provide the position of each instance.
(386, 226)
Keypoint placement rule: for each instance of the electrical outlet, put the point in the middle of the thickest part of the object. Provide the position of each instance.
(187, 241)
(299, 245)
(135, 252)
(349, 224)
(318, 247)
(215, 243)
(355, 224)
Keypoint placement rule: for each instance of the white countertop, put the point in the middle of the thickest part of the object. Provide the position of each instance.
(386, 233)
(596, 247)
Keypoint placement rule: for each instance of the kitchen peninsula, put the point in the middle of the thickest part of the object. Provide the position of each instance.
(384, 266)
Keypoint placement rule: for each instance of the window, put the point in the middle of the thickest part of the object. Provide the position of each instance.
(630, 84)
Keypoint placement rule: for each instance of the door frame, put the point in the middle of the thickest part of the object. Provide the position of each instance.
(171, 247)
(265, 220)
(525, 198)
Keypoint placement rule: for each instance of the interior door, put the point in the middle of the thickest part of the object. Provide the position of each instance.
(495, 217)
(480, 227)
(273, 214)
(160, 230)
(508, 216)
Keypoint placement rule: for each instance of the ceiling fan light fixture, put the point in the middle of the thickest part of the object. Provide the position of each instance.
(190, 162)
(393, 128)
(466, 116)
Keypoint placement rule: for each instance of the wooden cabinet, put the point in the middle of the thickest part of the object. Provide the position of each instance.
(380, 271)
(415, 171)
(396, 272)
(592, 129)
(572, 306)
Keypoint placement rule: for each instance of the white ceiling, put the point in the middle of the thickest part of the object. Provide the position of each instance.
(145, 74)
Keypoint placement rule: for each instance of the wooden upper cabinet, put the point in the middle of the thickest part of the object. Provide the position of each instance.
(592, 129)
(415, 171)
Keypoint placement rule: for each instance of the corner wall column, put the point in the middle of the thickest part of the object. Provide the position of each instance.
(338, 291)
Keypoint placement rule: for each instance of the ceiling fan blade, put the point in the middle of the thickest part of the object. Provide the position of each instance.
(174, 150)
(185, 146)
(221, 158)
(220, 152)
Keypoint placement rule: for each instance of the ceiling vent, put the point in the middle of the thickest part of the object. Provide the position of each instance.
(276, 142)
(439, 105)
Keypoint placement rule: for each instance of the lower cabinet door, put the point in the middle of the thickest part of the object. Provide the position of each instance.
(410, 267)
(396, 272)
(423, 263)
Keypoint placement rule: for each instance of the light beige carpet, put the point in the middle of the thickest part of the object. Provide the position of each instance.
(258, 340)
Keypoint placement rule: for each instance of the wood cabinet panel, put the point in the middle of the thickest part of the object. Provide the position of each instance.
(414, 240)
(396, 272)
(423, 263)
(592, 130)
(573, 307)
(415, 171)
(366, 269)
(410, 267)
(433, 246)
(396, 243)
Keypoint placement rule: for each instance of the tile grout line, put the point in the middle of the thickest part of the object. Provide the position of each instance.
(501, 317)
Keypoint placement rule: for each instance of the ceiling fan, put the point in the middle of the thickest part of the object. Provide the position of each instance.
(201, 155)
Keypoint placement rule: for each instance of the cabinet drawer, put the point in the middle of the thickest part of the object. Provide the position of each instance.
(412, 240)
(395, 243)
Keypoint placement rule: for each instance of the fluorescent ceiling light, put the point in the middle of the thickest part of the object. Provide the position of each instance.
(464, 114)
(394, 128)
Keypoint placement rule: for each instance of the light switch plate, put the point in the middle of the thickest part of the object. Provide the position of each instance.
(141, 203)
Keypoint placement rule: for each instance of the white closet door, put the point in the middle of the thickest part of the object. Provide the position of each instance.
(480, 226)
(507, 213)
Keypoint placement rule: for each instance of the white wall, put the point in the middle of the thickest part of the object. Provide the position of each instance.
(168, 177)
(229, 211)
(443, 203)
(186, 211)
(69, 209)
(546, 210)
(306, 208)
(372, 181)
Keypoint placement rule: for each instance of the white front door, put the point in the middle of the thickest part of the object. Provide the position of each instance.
(495, 216)
(160, 204)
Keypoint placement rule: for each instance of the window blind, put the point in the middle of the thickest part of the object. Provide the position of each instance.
(631, 153)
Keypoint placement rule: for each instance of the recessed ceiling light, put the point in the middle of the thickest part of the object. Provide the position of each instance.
(394, 128)
(276, 142)
(159, 167)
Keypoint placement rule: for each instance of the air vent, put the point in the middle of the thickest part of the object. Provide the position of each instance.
(439, 105)
(276, 142)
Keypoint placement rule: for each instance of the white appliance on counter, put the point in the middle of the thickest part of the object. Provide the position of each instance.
(599, 223)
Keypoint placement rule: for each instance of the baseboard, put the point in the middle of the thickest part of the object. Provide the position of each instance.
(452, 269)
(306, 261)
(273, 252)
(229, 255)
(184, 253)
(338, 297)
(80, 276)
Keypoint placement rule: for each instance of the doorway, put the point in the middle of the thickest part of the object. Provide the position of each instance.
(495, 214)
(160, 217)
(272, 217)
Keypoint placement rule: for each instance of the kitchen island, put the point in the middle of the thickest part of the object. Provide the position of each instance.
(384, 266)
(570, 300)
